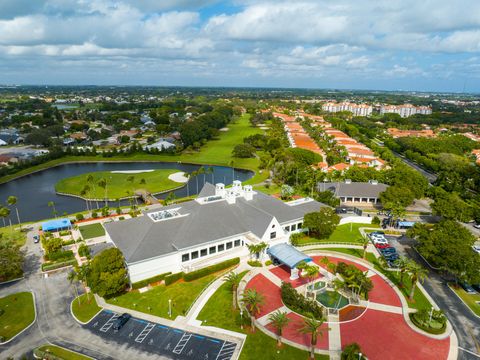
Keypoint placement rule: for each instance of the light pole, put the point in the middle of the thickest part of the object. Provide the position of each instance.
(360, 355)
(431, 314)
(170, 307)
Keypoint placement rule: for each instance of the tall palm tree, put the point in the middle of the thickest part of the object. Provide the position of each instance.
(195, 175)
(279, 320)
(52, 205)
(351, 352)
(187, 176)
(103, 184)
(403, 264)
(231, 164)
(253, 302)
(312, 326)
(91, 181)
(365, 243)
(211, 171)
(200, 172)
(83, 194)
(233, 280)
(73, 279)
(310, 272)
(417, 273)
(4, 213)
(82, 274)
(131, 180)
(12, 200)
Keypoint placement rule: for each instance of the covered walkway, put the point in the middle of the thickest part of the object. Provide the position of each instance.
(286, 254)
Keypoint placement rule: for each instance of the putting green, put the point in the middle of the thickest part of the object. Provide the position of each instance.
(119, 184)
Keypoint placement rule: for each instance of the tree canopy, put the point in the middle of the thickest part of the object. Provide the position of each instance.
(321, 224)
(107, 274)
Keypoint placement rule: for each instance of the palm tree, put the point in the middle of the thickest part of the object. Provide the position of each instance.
(403, 264)
(279, 320)
(4, 213)
(352, 352)
(365, 243)
(82, 273)
(131, 180)
(103, 184)
(233, 280)
(231, 164)
(312, 326)
(52, 205)
(91, 181)
(211, 171)
(195, 175)
(12, 200)
(73, 278)
(187, 176)
(417, 273)
(202, 171)
(253, 302)
(84, 194)
(311, 272)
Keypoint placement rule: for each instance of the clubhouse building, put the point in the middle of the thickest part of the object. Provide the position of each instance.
(214, 227)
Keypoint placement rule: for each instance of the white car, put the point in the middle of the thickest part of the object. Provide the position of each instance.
(379, 237)
(476, 248)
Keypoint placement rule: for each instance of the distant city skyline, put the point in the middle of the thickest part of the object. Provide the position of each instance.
(399, 45)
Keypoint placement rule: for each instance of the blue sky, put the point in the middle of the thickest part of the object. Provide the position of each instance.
(428, 45)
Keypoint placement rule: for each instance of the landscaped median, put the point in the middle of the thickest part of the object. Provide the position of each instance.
(85, 307)
(471, 300)
(17, 312)
(53, 352)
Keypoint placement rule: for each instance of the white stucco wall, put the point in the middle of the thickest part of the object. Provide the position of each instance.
(148, 268)
(356, 220)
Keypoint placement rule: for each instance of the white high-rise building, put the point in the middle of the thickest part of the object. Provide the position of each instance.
(405, 110)
(355, 109)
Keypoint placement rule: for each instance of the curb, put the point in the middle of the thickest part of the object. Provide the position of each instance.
(61, 347)
(11, 281)
(463, 302)
(29, 325)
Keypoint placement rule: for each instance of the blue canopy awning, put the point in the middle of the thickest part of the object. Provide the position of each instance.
(57, 224)
(406, 223)
(288, 255)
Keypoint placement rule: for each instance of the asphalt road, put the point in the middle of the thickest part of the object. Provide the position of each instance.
(430, 176)
(465, 323)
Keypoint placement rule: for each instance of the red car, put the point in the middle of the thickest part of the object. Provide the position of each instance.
(381, 246)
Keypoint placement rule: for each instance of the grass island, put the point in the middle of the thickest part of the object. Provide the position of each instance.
(119, 184)
(18, 312)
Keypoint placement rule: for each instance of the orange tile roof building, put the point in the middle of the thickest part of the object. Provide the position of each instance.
(397, 133)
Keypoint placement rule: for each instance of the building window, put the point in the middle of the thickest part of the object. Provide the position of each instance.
(236, 243)
(299, 226)
(287, 228)
(294, 227)
(273, 235)
(185, 257)
(212, 250)
(194, 255)
(229, 245)
(203, 252)
(273, 226)
(221, 247)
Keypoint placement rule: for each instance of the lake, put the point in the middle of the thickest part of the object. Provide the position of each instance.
(34, 191)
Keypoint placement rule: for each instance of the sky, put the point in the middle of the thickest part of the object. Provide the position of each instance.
(427, 45)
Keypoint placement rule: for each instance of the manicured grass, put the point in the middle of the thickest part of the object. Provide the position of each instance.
(19, 313)
(117, 184)
(181, 293)
(469, 299)
(13, 233)
(271, 190)
(63, 353)
(91, 231)
(215, 152)
(354, 252)
(347, 233)
(218, 312)
(86, 309)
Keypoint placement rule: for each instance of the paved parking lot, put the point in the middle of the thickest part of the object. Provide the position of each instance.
(162, 340)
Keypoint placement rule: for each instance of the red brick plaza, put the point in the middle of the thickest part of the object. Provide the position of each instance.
(379, 327)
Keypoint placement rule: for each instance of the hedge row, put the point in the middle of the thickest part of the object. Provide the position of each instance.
(47, 267)
(153, 279)
(170, 279)
(210, 269)
(60, 255)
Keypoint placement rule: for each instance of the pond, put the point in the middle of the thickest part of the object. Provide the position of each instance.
(35, 191)
(332, 299)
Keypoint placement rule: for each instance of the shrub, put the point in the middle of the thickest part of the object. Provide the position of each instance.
(118, 211)
(83, 250)
(121, 218)
(295, 238)
(376, 220)
(65, 233)
(170, 279)
(48, 267)
(154, 279)
(298, 303)
(68, 242)
(243, 151)
(60, 255)
(79, 217)
(254, 263)
(2, 312)
(211, 269)
(268, 262)
(418, 321)
(94, 214)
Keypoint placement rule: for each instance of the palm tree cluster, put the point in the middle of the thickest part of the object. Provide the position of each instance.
(353, 279)
(256, 249)
(414, 270)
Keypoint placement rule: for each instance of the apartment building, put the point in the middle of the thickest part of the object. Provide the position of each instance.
(405, 110)
(355, 109)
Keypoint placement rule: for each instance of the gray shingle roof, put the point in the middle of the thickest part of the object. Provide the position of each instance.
(141, 238)
(354, 189)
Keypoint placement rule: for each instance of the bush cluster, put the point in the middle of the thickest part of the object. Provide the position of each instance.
(298, 303)
(170, 279)
(83, 250)
(60, 255)
(48, 267)
(154, 279)
(254, 263)
(211, 269)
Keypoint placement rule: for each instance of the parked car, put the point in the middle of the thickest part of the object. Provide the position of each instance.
(467, 287)
(381, 245)
(36, 239)
(476, 226)
(476, 287)
(391, 258)
(120, 321)
(389, 250)
(476, 248)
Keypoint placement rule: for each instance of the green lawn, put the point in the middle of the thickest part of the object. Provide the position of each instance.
(63, 353)
(86, 309)
(19, 313)
(13, 234)
(91, 231)
(181, 293)
(215, 152)
(347, 233)
(218, 312)
(271, 190)
(117, 184)
(354, 252)
(471, 300)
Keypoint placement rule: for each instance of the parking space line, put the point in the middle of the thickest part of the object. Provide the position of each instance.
(181, 344)
(109, 323)
(226, 351)
(144, 333)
